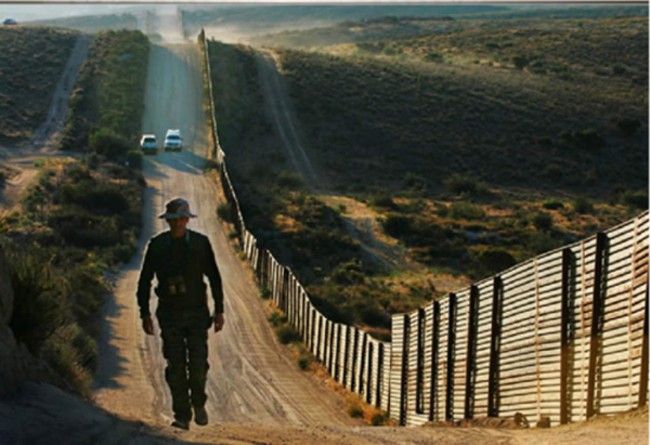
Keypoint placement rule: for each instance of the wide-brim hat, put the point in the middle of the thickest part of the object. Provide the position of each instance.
(177, 208)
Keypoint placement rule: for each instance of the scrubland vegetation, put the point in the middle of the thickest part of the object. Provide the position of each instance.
(477, 147)
(31, 65)
(81, 216)
(94, 23)
(107, 105)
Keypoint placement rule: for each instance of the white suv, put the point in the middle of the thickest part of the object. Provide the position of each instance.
(173, 140)
(149, 144)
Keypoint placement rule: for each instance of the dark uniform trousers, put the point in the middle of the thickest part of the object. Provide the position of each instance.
(185, 348)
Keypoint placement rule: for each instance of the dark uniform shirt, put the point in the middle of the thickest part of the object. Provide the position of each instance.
(179, 265)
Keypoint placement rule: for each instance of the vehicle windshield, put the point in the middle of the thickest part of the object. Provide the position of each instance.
(150, 139)
(173, 137)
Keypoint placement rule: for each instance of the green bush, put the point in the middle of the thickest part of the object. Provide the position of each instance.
(465, 184)
(225, 213)
(635, 200)
(109, 144)
(134, 159)
(543, 221)
(265, 293)
(583, 205)
(494, 260)
(350, 272)
(552, 204)
(628, 126)
(379, 418)
(304, 360)
(466, 210)
(398, 226)
(289, 180)
(383, 200)
(355, 411)
(277, 318)
(287, 334)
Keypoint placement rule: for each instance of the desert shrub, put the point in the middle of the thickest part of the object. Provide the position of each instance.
(540, 242)
(398, 226)
(224, 212)
(383, 200)
(134, 159)
(379, 418)
(465, 184)
(123, 252)
(109, 144)
(265, 293)
(493, 260)
(96, 196)
(414, 182)
(466, 210)
(277, 318)
(355, 410)
(304, 360)
(588, 138)
(434, 57)
(289, 180)
(543, 221)
(42, 297)
(627, 127)
(349, 272)
(635, 200)
(520, 62)
(552, 204)
(583, 205)
(441, 209)
(287, 334)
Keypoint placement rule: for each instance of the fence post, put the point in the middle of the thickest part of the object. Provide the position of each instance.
(337, 361)
(643, 378)
(319, 338)
(305, 317)
(369, 378)
(470, 367)
(451, 358)
(346, 356)
(434, 359)
(312, 329)
(380, 374)
(362, 366)
(355, 355)
(419, 376)
(405, 363)
(330, 357)
(566, 334)
(495, 348)
(284, 292)
(326, 342)
(597, 318)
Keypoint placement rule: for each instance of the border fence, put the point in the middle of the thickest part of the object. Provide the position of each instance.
(563, 335)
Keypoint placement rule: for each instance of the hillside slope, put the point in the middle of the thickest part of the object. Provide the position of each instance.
(32, 63)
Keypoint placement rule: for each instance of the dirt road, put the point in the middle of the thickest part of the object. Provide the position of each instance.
(251, 378)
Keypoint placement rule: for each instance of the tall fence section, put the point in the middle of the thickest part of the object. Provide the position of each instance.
(563, 335)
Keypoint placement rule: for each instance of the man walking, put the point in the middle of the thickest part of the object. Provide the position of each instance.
(179, 258)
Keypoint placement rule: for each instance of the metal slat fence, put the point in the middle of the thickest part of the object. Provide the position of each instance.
(563, 335)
